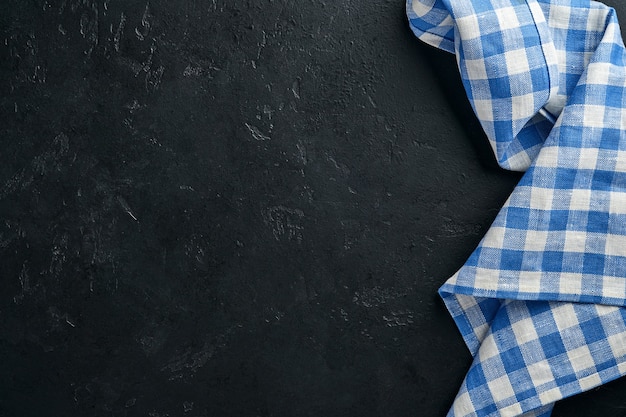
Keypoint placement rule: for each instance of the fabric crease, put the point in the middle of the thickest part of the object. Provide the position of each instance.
(541, 302)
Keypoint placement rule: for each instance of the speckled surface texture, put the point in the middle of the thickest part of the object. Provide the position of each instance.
(235, 208)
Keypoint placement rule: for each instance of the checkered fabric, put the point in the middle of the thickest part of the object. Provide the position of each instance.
(541, 302)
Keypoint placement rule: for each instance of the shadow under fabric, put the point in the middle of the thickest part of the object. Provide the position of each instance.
(541, 301)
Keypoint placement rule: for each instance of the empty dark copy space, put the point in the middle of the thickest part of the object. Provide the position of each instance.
(235, 208)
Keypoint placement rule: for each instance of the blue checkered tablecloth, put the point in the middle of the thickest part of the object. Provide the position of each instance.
(541, 301)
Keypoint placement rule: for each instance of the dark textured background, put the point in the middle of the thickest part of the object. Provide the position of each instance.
(235, 208)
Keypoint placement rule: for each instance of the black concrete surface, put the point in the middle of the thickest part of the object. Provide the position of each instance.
(235, 208)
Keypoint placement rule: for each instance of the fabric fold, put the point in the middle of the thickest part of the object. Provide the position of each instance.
(541, 301)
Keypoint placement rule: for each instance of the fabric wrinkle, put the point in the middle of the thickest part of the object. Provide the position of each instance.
(541, 302)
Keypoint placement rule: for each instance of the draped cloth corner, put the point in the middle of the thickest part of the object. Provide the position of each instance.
(541, 302)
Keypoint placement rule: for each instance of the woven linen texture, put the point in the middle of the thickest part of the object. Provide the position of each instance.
(541, 301)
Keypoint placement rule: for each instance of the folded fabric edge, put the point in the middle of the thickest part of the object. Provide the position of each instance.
(470, 318)
(531, 354)
(473, 308)
(424, 31)
(448, 289)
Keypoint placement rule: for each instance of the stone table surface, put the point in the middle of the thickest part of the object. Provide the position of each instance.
(235, 208)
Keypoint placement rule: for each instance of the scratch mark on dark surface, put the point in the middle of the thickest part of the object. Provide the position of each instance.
(256, 133)
(186, 364)
(122, 202)
(117, 38)
(146, 18)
